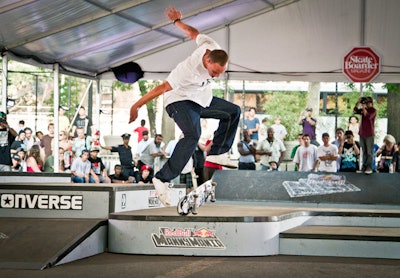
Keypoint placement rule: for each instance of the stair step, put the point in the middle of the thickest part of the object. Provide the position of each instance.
(341, 241)
(344, 233)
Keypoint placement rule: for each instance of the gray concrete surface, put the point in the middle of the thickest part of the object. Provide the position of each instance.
(117, 265)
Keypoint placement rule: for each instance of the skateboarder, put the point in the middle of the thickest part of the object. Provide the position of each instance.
(187, 98)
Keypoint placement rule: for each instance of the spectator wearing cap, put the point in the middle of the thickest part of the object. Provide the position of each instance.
(340, 139)
(365, 108)
(80, 169)
(125, 156)
(154, 150)
(120, 177)
(99, 171)
(349, 150)
(63, 121)
(146, 174)
(309, 124)
(16, 163)
(22, 155)
(140, 129)
(7, 137)
(273, 166)
(143, 144)
(19, 142)
(327, 155)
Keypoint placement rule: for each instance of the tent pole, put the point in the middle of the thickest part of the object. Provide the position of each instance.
(56, 104)
(79, 106)
(4, 84)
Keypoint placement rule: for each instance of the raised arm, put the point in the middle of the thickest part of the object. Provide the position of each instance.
(159, 90)
(176, 17)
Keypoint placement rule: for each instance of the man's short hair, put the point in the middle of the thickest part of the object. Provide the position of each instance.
(325, 134)
(218, 56)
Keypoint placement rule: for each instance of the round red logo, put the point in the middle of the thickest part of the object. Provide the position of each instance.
(361, 64)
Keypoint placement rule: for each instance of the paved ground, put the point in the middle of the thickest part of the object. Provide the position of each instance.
(117, 265)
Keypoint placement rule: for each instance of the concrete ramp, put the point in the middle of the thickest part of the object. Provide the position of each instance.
(32, 243)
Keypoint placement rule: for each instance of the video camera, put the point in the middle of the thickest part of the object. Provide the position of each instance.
(364, 100)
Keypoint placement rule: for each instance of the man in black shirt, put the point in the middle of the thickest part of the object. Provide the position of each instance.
(125, 156)
(7, 137)
(119, 176)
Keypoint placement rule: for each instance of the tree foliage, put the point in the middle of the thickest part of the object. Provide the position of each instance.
(288, 106)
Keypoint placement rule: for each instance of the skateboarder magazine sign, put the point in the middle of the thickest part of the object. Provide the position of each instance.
(361, 64)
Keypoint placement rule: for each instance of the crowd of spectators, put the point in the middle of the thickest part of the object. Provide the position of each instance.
(23, 150)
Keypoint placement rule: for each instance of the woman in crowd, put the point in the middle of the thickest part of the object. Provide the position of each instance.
(386, 151)
(34, 161)
(66, 145)
(354, 126)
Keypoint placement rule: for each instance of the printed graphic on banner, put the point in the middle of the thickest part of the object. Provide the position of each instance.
(153, 199)
(187, 238)
(41, 201)
(123, 201)
(319, 185)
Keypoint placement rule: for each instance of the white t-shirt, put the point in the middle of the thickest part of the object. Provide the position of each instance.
(306, 157)
(327, 165)
(280, 130)
(276, 147)
(190, 80)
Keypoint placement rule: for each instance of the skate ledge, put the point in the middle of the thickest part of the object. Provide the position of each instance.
(245, 214)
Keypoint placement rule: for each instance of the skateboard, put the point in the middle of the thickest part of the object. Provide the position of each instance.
(192, 201)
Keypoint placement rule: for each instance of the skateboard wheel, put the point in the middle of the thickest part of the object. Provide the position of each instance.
(214, 183)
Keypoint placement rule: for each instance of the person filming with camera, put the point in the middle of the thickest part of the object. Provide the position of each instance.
(365, 108)
(7, 137)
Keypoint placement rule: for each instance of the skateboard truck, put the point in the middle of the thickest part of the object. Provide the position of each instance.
(213, 192)
(194, 209)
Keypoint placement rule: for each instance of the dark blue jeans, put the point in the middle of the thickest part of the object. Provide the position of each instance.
(186, 115)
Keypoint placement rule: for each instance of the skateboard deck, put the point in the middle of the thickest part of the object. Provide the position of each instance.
(192, 201)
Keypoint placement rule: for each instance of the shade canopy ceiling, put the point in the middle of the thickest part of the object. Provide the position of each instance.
(303, 40)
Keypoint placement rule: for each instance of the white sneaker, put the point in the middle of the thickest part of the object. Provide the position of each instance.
(164, 191)
(223, 160)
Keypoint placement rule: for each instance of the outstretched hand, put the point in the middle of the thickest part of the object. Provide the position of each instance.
(133, 113)
(172, 13)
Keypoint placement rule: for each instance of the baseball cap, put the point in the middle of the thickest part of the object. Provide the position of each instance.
(84, 151)
(16, 157)
(128, 73)
(65, 108)
(348, 132)
(145, 167)
(95, 149)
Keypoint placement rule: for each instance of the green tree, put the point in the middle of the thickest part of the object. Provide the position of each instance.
(393, 111)
(288, 106)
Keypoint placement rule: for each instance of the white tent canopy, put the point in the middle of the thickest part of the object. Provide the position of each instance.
(304, 40)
